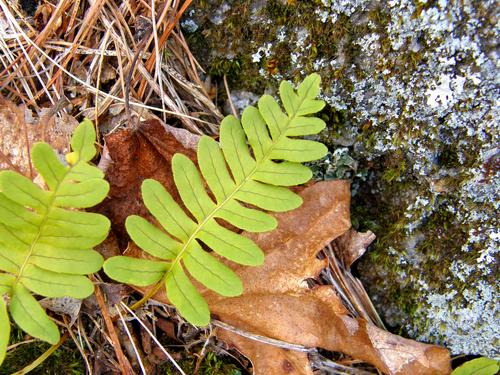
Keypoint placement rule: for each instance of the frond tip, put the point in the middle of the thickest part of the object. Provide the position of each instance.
(45, 244)
(238, 177)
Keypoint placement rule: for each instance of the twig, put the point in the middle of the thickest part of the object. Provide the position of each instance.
(263, 339)
(124, 364)
(233, 109)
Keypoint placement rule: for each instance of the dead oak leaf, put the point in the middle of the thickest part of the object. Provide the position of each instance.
(278, 303)
(267, 359)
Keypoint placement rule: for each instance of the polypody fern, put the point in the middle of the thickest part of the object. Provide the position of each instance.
(45, 244)
(258, 178)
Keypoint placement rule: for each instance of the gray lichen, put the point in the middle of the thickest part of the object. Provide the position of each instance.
(412, 88)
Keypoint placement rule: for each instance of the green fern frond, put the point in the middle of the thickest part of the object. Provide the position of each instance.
(45, 244)
(258, 178)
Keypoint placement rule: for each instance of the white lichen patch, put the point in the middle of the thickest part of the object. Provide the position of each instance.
(454, 314)
(443, 94)
(220, 14)
(331, 9)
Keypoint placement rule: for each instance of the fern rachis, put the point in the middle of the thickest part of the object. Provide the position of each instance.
(45, 244)
(252, 180)
(231, 196)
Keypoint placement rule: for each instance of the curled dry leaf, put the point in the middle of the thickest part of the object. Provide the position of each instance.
(351, 245)
(277, 301)
(64, 305)
(113, 295)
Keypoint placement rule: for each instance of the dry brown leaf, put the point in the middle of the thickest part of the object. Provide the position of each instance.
(268, 359)
(277, 301)
(350, 246)
(113, 295)
(55, 130)
(17, 134)
(135, 155)
(14, 153)
(64, 305)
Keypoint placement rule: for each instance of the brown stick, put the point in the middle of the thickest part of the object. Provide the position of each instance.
(122, 360)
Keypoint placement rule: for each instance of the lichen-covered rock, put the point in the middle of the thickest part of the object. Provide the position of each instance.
(412, 88)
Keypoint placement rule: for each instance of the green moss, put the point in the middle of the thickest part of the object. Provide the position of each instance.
(336, 121)
(211, 365)
(221, 66)
(65, 360)
(279, 11)
(395, 169)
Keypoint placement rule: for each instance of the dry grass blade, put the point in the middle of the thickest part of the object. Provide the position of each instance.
(137, 355)
(17, 344)
(44, 60)
(169, 356)
(233, 109)
(330, 367)
(263, 339)
(78, 345)
(349, 288)
(163, 39)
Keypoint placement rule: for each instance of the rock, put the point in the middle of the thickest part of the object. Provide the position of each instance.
(411, 88)
(241, 100)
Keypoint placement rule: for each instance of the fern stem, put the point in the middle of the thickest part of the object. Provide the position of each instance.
(149, 294)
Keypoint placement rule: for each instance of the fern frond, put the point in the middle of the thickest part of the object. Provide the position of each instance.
(258, 178)
(45, 244)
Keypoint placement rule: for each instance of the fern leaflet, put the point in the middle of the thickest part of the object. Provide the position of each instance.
(259, 178)
(45, 244)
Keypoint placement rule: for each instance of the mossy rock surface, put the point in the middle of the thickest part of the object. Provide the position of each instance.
(411, 88)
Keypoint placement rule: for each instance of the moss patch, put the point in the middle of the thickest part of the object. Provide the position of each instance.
(65, 360)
